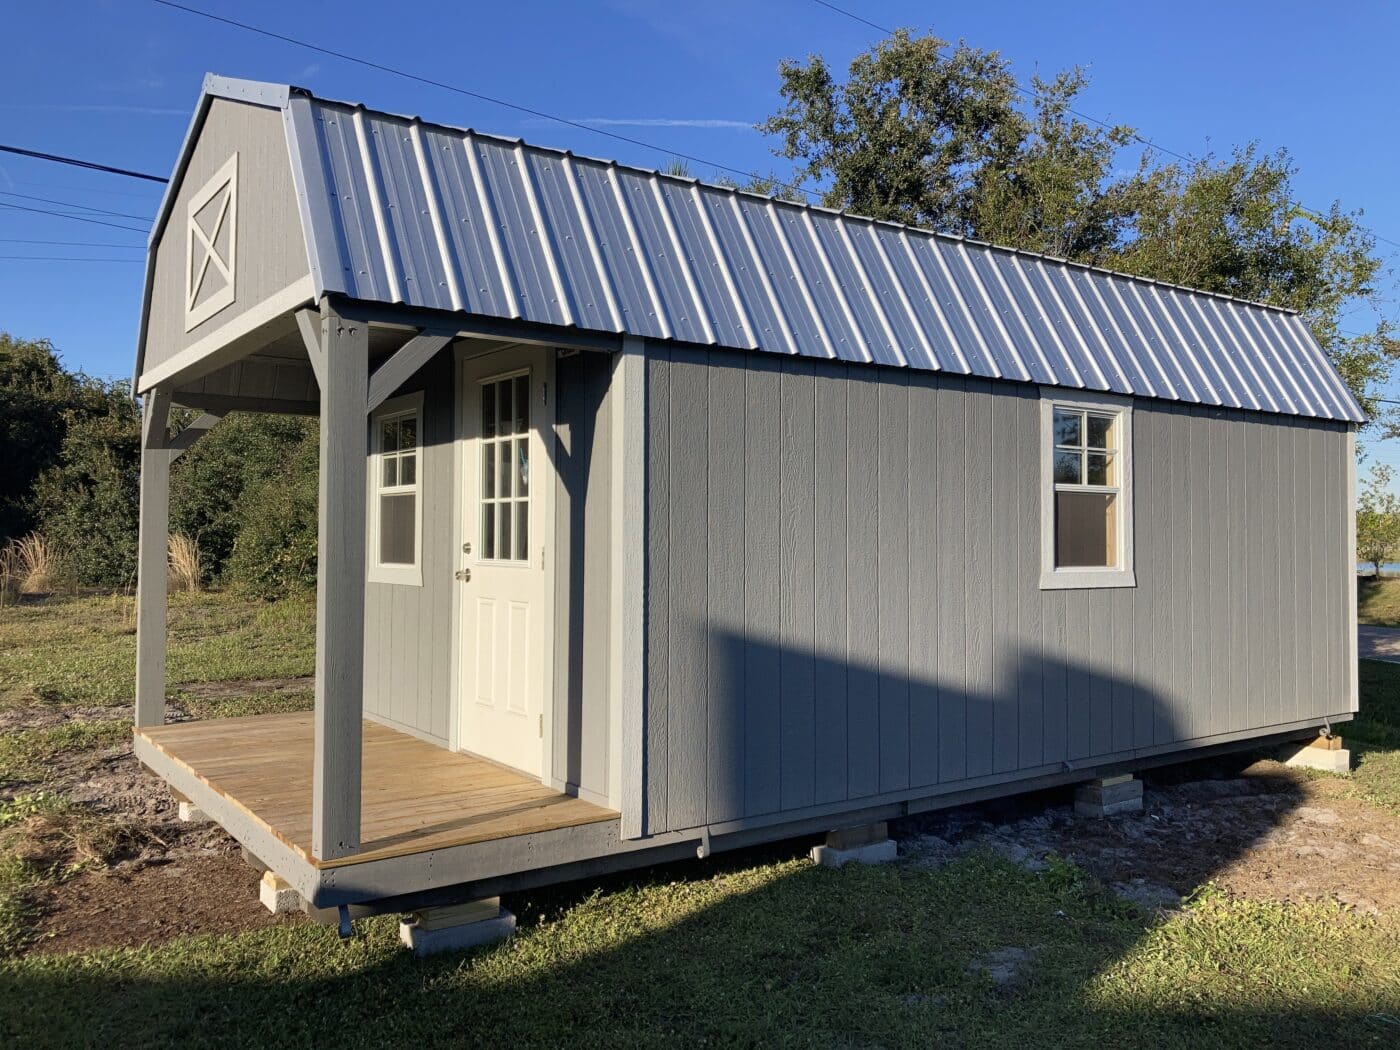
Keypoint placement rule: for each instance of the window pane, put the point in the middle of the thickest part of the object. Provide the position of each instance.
(503, 519)
(522, 404)
(1101, 431)
(1068, 430)
(1100, 468)
(1086, 530)
(396, 531)
(408, 432)
(1067, 468)
(507, 416)
(488, 411)
(389, 435)
(522, 466)
(408, 469)
(488, 471)
(488, 530)
(522, 531)
(391, 471)
(506, 468)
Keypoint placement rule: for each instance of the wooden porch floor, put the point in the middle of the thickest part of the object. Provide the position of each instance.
(415, 796)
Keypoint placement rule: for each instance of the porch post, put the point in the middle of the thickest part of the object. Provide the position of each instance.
(151, 561)
(343, 371)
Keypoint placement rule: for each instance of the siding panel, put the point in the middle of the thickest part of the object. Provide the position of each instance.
(868, 544)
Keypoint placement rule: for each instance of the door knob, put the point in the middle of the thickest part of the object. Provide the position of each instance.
(463, 574)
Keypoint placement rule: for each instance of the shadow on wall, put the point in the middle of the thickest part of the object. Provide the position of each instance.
(783, 729)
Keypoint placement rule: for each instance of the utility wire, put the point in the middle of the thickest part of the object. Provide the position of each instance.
(75, 218)
(68, 258)
(72, 244)
(494, 100)
(90, 165)
(1029, 93)
(75, 204)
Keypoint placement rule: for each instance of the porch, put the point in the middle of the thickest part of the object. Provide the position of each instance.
(439, 817)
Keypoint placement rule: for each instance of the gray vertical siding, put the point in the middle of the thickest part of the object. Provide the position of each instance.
(843, 601)
(582, 572)
(408, 629)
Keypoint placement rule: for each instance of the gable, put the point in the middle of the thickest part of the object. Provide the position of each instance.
(232, 238)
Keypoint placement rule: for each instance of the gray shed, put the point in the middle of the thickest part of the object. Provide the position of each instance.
(659, 516)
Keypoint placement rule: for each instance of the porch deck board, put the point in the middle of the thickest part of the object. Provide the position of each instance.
(415, 796)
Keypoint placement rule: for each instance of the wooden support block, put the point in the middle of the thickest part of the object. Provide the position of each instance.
(1327, 743)
(457, 914)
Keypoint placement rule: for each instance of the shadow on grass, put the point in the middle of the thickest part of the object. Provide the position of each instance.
(759, 949)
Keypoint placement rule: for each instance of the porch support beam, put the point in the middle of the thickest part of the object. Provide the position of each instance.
(151, 563)
(340, 586)
(223, 404)
(185, 439)
(406, 360)
(309, 324)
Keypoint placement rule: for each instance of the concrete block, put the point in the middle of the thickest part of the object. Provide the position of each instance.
(863, 835)
(192, 814)
(436, 930)
(277, 896)
(1325, 753)
(1109, 796)
(829, 856)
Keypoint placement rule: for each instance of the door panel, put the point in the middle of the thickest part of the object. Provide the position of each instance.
(503, 648)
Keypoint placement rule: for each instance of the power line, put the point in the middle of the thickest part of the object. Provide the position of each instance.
(72, 244)
(1082, 116)
(75, 218)
(530, 111)
(90, 165)
(68, 258)
(75, 204)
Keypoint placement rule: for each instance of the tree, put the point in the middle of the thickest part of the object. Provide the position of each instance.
(1378, 519)
(86, 503)
(942, 137)
(38, 399)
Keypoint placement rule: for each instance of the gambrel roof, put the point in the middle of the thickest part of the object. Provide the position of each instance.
(399, 210)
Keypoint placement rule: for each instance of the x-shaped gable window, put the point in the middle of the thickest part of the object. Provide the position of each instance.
(212, 246)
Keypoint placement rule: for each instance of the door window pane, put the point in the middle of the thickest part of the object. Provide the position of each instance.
(505, 470)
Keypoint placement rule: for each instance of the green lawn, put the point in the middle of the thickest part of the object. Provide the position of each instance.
(760, 948)
(1378, 601)
(82, 651)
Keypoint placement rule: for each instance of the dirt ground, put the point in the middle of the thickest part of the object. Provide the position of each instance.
(1257, 828)
(172, 879)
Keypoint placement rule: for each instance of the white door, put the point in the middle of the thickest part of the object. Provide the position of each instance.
(501, 575)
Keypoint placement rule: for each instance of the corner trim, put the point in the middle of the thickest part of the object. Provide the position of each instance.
(627, 714)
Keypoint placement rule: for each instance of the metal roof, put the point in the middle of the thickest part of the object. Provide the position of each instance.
(398, 210)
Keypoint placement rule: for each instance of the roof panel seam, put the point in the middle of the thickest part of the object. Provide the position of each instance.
(544, 235)
(493, 222)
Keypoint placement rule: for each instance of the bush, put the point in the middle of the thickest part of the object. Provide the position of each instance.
(275, 551)
(87, 502)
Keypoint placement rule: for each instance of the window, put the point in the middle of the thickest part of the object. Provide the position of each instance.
(1086, 506)
(505, 468)
(396, 511)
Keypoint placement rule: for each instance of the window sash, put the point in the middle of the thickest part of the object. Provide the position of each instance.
(390, 501)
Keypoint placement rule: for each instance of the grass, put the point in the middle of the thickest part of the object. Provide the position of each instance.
(1378, 601)
(1374, 736)
(82, 650)
(775, 953)
(28, 755)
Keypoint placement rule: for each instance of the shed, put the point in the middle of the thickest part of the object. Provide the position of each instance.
(657, 515)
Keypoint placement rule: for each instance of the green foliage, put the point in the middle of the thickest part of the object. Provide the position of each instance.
(275, 553)
(1378, 519)
(38, 398)
(219, 491)
(87, 501)
(940, 137)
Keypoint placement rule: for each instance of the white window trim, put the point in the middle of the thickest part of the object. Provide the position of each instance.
(1122, 575)
(377, 571)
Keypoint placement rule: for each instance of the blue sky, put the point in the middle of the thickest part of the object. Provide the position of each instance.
(115, 80)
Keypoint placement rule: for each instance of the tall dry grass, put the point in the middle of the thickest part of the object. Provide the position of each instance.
(30, 565)
(184, 562)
